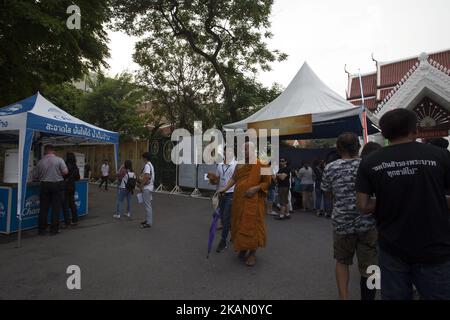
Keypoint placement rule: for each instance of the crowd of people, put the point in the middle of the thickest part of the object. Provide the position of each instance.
(57, 190)
(57, 179)
(298, 189)
(389, 207)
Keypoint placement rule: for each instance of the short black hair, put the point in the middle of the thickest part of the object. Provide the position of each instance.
(398, 123)
(146, 155)
(128, 165)
(48, 148)
(70, 158)
(439, 142)
(370, 148)
(348, 142)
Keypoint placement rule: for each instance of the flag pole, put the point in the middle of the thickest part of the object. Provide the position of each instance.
(364, 113)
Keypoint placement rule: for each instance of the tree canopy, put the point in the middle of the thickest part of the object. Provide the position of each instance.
(113, 105)
(182, 86)
(227, 35)
(38, 49)
(64, 95)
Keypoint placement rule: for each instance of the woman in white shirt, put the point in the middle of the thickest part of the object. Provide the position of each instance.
(307, 177)
(126, 188)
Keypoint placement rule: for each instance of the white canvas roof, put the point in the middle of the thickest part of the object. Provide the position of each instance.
(306, 94)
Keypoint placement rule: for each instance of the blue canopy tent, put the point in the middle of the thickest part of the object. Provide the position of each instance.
(36, 117)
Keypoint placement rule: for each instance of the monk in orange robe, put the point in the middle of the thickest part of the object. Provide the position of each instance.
(248, 229)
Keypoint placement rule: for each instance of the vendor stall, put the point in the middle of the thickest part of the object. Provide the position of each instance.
(30, 124)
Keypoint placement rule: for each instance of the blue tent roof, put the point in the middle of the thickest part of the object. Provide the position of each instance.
(41, 115)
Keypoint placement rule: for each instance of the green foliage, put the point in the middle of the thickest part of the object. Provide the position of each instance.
(183, 87)
(229, 36)
(113, 104)
(65, 96)
(38, 49)
(251, 95)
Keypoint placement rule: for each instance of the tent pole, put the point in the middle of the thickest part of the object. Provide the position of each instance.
(19, 235)
(364, 114)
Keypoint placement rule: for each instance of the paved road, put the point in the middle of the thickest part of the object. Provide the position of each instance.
(120, 261)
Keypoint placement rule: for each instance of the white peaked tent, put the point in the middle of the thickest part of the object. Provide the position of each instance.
(36, 117)
(308, 95)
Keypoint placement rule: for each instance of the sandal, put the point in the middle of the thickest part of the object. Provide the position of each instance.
(242, 255)
(251, 261)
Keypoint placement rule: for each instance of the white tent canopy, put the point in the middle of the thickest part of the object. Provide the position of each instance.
(307, 94)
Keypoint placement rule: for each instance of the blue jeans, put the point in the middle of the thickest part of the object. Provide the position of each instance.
(397, 278)
(271, 194)
(225, 203)
(123, 193)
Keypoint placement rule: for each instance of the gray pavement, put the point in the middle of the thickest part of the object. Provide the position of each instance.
(120, 261)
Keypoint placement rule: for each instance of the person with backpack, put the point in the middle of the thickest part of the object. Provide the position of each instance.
(127, 184)
(70, 178)
(146, 185)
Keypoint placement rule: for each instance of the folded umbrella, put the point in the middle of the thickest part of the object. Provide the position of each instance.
(212, 230)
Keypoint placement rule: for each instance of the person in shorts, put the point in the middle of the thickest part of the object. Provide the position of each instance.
(307, 177)
(353, 232)
(283, 181)
(410, 181)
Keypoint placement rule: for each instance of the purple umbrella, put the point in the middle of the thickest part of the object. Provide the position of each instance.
(212, 230)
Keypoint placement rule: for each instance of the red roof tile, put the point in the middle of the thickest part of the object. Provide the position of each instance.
(442, 57)
(384, 93)
(369, 86)
(392, 73)
(371, 104)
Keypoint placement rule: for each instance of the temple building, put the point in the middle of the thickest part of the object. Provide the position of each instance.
(421, 84)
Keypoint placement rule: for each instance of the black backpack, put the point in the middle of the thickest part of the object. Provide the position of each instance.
(130, 185)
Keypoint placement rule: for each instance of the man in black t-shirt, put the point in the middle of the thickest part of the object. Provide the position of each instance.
(283, 181)
(409, 181)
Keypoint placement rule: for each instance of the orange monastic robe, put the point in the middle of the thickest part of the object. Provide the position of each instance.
(248, 228)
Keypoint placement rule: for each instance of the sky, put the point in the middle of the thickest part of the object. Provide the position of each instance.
(330, 34)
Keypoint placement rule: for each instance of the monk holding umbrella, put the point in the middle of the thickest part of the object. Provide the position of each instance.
(248, 229)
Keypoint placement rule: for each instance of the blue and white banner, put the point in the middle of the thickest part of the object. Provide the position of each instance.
(57, 127)
(31, 207)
